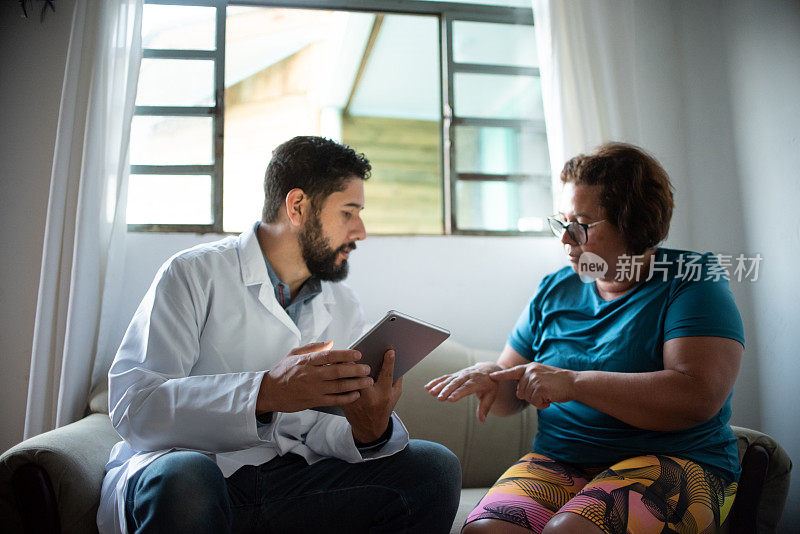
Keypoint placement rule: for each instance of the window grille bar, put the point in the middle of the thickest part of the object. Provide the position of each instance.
(172, 169)
(175, 111)
(219, 116)
(448, 149)
(478, 68)
(519, 124)
(470, 12)
(190, 3)
(487, 177)
(170, 228)
(164, 53)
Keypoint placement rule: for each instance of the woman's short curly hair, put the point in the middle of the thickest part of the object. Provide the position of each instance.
(635, 191)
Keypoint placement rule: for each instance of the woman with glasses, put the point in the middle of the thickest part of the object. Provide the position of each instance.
(629, 355)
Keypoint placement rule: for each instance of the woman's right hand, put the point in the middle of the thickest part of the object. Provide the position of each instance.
(472, 380)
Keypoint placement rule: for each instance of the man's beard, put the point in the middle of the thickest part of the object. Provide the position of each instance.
(320, 258)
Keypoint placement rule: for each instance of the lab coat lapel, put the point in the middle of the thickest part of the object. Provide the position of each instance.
(321, 316)
(254, 272)
(266, 296)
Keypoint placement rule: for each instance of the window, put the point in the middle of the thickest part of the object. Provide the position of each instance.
(444, 98)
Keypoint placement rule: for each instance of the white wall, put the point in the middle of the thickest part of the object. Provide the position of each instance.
(763, 68)
(658, 85)
(474, 286)
(713, 201)
(32, 59)
(741, 62)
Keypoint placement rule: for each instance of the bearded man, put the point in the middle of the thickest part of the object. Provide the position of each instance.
(214, 384)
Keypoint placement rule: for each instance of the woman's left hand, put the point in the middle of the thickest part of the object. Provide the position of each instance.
(539, 384)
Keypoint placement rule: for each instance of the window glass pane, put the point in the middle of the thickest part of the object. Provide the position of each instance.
(295, 72)
(181, 27)
(494, 44)
(162, 199)
(175, 82)
(516, 206)
(404, 195)
(498, 96)
(171, 141)
(497, 150)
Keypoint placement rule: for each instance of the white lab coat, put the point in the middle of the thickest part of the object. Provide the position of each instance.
(188, 371)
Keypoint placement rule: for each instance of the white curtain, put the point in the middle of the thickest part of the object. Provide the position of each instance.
(85, 228)
(587, 60)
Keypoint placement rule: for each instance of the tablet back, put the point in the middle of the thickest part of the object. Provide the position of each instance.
(410, 338)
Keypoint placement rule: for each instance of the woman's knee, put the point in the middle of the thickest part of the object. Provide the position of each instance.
(493, 526)
(569, 523)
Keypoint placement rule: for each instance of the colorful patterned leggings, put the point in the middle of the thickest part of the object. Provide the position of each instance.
(640, 495)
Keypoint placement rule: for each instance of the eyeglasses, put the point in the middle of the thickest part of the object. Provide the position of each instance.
(579, 232)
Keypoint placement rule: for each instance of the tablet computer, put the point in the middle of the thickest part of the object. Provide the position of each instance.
(410, 338)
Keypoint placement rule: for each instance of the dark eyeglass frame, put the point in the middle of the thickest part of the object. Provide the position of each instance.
(572, 229)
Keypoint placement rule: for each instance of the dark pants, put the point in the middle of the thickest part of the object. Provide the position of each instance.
(415, 490)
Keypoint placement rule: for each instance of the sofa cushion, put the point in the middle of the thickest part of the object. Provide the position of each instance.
(469, 500)
(484, 449)
(98, 400)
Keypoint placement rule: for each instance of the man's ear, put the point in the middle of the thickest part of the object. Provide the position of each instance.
(297, 205)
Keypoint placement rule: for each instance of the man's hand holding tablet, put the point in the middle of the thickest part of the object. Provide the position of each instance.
(369, 414)
(410, 339)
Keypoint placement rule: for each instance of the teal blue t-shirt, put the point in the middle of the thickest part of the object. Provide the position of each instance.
(568, 325)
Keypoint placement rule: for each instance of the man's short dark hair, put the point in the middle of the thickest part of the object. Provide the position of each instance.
(317, 165)
(635, 191)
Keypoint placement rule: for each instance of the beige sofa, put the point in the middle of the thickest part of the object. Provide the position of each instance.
(51, 483)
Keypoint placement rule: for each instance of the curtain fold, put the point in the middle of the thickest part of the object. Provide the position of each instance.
(587, 63)
(85, 230)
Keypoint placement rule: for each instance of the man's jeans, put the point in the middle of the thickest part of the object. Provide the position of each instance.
(415, 490)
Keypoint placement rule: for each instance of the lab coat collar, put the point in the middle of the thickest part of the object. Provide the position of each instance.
(254, 271)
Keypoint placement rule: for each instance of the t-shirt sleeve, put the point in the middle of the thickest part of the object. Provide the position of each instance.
(522, 336)
(703, 308)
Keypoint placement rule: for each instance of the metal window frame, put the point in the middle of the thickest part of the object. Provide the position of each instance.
(447, 12)
(451, 120)
(216, 112)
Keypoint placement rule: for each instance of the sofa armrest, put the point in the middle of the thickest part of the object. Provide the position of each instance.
(756, 452)
(73, 458)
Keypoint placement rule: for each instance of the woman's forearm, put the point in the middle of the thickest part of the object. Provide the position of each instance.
(661, 400)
